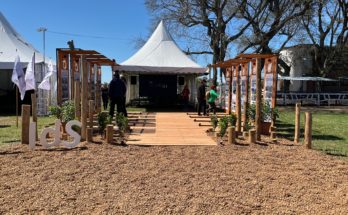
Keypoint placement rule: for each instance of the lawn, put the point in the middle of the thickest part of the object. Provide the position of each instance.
(330, 130)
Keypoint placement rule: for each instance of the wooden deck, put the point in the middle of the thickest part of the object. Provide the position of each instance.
(167, 129)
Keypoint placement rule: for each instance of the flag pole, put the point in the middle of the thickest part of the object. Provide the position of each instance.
(17, 106)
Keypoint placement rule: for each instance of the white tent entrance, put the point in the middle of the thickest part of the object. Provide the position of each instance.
(160, 70)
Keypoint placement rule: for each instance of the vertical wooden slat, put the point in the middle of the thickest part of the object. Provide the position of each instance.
(229, 103)
(77, 100)
(246, 102)
(238, 102)
(25, 124)
(258, 100)
(34, 110)
(84, 98)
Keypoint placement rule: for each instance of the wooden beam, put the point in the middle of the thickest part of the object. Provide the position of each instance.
(84, 98)
(229, 101)
(258, 100)
(249, 56)
(238, 102)
(245, 72)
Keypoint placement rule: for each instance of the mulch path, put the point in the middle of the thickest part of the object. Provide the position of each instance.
(229, 179)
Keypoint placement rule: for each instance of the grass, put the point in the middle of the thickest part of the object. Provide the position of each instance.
(329, 134)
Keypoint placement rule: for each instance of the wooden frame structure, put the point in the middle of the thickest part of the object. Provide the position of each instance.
(239, 68)
(80, 66)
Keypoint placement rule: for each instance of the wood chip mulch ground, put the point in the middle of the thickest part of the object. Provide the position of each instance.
(229, 179)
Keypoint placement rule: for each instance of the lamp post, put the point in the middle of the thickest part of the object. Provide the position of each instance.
(43, 30)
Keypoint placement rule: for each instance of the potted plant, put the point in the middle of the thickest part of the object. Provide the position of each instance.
(232, 119)
(55, 111)
(267, 115)
(223, 124)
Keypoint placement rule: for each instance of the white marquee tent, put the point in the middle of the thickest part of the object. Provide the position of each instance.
(160, 57)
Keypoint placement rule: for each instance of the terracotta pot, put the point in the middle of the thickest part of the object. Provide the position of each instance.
(265, 126)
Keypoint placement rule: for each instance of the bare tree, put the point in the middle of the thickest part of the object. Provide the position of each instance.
(218, 22)
(328, 32)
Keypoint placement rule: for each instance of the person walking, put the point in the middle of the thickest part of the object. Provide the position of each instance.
(212, 97)
(117, 89)
(202, 102)
(105, 95)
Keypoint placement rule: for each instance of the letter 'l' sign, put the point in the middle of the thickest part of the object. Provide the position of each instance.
(56, 132)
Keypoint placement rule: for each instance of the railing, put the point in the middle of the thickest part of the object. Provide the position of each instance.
(312, 98)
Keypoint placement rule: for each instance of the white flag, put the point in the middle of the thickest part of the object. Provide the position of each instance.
(18, 77)
(30, 75)
(45, 84)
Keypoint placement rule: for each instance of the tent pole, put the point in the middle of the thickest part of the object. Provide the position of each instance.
(17, 106)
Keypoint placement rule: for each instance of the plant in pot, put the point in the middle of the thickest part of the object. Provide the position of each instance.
(103, 120)
(214, 122)
(55, 111)
(267, 114)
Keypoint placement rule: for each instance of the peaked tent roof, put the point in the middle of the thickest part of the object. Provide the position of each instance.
(13, 44)
(160, 54)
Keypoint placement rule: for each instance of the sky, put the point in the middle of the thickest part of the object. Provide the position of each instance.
(118, 22)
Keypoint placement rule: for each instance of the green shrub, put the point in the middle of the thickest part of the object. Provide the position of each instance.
(121, 122)
(232, 119)
(267, 113)
(68, 111)
(223, 124)
(214, 121)
(55, 111)
(102, 121)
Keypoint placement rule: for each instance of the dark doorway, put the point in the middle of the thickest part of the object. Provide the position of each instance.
(159, 89)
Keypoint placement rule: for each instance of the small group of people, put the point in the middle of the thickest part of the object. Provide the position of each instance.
(116, 93)
(203, 97)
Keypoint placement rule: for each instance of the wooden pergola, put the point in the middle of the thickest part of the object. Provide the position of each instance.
(79, 79)
(239, 68)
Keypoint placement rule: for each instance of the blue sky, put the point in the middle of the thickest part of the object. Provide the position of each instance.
(121, 21)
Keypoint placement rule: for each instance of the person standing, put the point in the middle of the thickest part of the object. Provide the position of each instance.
(202, 102)
(105, 95)
(117, 90)
(212, 97)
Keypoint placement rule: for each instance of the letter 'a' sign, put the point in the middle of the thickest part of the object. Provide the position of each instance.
(56, 132)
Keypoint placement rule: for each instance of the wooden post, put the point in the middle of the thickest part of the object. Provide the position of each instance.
(90, 113)
(297, 123)
(84, 97)
(77, 100)
(238, 101)
(246, 102)
(252, 136)
(245, 134)
(34, 111)
(229, 103)
(89, 135)
(109, 133)
(231, 135)
(308, 130)
(25, 124)
(258, 100)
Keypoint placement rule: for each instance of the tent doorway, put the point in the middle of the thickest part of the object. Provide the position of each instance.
(159, 89)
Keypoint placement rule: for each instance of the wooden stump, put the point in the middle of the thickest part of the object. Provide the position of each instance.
(252, 136)
(231, 135)
(308, 130)
(109, 133)
(245, 134)
(25, 124)
(297, 123)
(89, 135)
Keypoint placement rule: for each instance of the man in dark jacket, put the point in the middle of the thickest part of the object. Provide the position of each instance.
(117, 90)
(202, 103)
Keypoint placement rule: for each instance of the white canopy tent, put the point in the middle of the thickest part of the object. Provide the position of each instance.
(160, 57)
(12, 44)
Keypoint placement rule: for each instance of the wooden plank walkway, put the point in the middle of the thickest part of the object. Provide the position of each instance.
(167, 129)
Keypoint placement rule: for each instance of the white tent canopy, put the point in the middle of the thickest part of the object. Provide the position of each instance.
(160, 54)
(13, 44)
